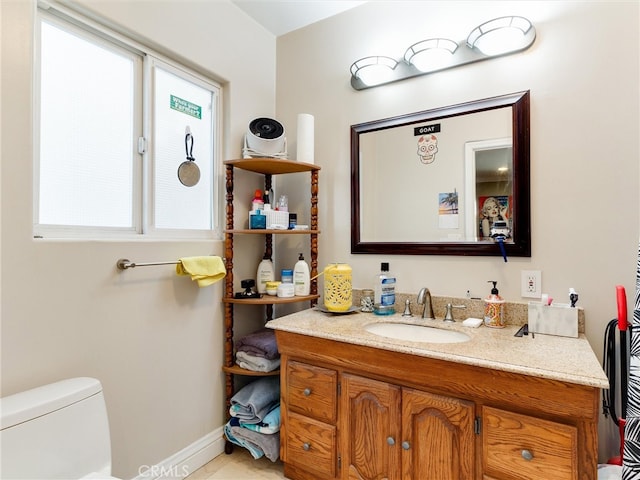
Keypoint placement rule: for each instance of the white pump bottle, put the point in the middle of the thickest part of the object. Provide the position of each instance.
(301, 277)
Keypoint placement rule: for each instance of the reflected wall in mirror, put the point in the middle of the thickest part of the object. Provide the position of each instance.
(433, 182)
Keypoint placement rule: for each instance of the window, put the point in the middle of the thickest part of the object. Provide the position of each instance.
(112, 120)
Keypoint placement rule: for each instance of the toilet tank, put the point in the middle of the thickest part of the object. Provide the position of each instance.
(57, 431)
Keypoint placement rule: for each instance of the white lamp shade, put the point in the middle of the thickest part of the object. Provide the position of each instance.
(501, 35)
(374, 70)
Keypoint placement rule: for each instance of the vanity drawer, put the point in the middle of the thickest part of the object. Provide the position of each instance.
(311, 445)
(521, 447)
(312, 391)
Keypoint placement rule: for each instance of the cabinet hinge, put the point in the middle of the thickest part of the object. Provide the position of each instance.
(142, 145)
(339, 387)
(339, 462)
(477, 425)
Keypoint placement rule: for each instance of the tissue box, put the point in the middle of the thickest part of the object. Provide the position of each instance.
(556, 319)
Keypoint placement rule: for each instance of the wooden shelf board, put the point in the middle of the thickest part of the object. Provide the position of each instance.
(263, 231)
(271, 166)
(271, 300)
(236, 370)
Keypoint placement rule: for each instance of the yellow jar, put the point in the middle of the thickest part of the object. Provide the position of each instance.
(272, 288)
(338, 295)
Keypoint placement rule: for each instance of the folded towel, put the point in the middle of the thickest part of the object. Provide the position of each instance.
(252, 403)
(258, 444)
(204, 270)
(255, 451)
(260, 344)
(257, 364)
(269, 425)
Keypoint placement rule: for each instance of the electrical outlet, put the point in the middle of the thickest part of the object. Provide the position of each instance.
(531, 283)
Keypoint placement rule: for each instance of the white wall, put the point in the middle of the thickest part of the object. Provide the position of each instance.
(152, 338)
(584, 140)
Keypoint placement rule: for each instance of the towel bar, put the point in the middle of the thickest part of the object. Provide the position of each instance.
(124, 263)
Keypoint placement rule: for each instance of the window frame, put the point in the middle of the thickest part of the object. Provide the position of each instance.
(151, 63)
(146, 59)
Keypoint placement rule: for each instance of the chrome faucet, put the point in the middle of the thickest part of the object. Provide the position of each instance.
(424, 298)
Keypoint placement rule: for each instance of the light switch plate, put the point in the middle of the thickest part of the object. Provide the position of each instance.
(531, 283)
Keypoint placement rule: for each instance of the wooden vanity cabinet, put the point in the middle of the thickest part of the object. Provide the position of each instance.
(377, 414)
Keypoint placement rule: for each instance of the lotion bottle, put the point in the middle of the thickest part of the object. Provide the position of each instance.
(301, 277)
(265, 274)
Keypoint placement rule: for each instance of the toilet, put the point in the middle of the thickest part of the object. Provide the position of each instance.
(57, 431)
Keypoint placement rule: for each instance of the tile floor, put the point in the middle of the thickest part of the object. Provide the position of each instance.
(240, 465)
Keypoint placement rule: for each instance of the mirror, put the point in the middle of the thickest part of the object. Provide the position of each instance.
(433, 182)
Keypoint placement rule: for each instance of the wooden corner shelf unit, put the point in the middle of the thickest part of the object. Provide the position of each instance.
(267, 167)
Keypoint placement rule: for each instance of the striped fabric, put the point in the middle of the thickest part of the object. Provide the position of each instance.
(631, 456)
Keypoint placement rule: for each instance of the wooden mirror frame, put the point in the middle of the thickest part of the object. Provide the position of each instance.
(520, 244)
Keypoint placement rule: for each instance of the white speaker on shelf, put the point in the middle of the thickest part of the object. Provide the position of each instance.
(265, 137)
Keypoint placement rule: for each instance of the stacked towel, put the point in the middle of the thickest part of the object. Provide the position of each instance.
(255, 418)
(258, 444)
(259, 344)
(204, 270)
(257, 364)
(258, 351)
(269, 424)
(252, 403)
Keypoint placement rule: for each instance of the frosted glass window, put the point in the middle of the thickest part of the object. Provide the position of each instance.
(110, 126)
(86, 132)
(181, 105)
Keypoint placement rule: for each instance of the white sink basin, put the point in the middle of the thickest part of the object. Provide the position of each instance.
(416, 333)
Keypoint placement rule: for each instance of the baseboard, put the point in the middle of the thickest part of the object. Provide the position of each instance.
(187, 460)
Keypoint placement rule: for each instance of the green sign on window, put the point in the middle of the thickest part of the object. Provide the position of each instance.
(184, 106)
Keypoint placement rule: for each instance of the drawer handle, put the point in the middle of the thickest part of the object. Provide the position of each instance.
(306, 446)
(307, 392)
(527, 455)
(406, 446)
(391, 441)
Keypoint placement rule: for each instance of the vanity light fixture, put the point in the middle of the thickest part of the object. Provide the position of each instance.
(374, 70)
(432, 54)
(500, 36)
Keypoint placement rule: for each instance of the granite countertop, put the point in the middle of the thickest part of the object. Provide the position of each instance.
(557, 358)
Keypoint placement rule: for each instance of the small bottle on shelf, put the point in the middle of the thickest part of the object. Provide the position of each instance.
(265, 273)
(257, 203)
(301, 277)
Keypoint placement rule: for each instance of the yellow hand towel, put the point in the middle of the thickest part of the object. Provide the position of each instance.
(204, 270)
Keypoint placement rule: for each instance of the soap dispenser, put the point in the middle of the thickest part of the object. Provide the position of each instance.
(494, 308)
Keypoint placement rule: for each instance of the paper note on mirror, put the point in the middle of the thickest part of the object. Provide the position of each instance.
(448, 210)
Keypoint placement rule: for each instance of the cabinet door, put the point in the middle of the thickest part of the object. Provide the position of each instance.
(437, 437)
(369, 429)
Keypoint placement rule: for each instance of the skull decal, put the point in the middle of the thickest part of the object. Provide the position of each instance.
(427, 148)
